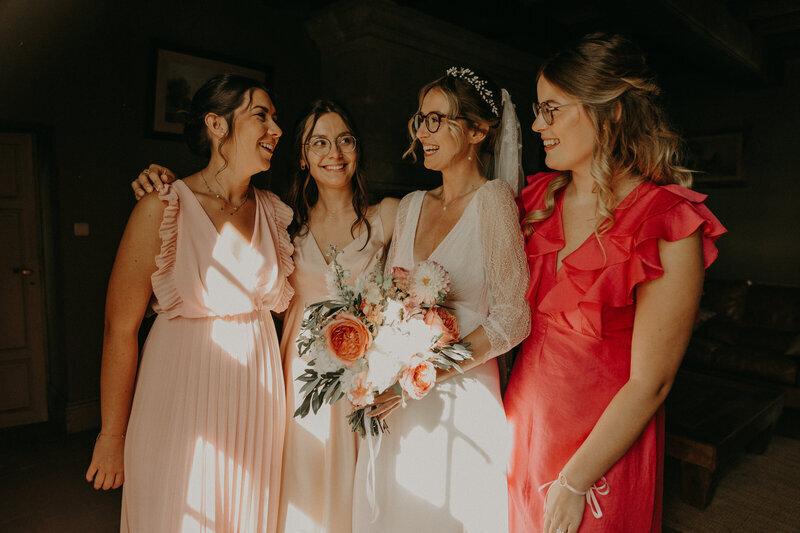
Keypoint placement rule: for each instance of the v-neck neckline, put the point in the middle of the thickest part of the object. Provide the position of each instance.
(211, 222)
(450, 232)
(321, 254)
(560, 219)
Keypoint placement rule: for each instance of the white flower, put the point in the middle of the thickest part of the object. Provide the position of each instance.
(393, 312)
(368, 288)
(324, 361)
(383, 368)
(330, 281)
(428, 280)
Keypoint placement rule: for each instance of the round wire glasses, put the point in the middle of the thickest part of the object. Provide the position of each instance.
(321, 145)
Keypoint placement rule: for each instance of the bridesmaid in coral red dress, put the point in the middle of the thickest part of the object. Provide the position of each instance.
(617, 248)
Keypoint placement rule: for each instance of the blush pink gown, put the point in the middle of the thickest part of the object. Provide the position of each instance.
(205, 437)
(320, 458)
(578, 355)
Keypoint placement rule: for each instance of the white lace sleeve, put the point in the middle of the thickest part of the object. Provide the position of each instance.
(399, 227)
(509, 319)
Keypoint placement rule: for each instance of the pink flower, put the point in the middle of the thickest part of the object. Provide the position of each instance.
(400, 277)
(418, 378)
(347, 337)
(360, 393)
(445, 322)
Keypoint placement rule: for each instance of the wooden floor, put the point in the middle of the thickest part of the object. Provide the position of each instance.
(42, 490)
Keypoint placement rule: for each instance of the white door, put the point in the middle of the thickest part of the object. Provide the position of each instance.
(23, 374)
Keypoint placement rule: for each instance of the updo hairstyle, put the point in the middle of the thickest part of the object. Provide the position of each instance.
(222, 95)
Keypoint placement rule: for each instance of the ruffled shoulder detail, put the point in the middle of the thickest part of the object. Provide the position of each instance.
(168, 300)
(605, 273)
(281, 216)
(547, 236)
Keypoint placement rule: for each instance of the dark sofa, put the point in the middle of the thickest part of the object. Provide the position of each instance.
(749, 331)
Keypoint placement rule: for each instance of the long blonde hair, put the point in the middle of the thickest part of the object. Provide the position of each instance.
(609, 77)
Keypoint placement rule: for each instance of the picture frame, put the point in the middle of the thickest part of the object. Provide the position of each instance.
(717, 159)
(177, 74)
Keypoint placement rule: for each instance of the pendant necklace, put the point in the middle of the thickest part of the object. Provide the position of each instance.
(448, 204)
(234, 208)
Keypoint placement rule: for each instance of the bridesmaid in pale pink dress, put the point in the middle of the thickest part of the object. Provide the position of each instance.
(200, 448)
(331, 206)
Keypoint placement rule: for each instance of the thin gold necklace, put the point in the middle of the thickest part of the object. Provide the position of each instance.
(448, 204)
(234, 208)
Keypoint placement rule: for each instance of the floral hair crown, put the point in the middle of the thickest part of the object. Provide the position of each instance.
(478, 83)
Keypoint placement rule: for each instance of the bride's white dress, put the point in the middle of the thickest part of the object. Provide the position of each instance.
(442, 467)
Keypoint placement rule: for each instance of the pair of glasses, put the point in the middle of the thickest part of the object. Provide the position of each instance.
(321, 146)
(545, 109)
(432, 121)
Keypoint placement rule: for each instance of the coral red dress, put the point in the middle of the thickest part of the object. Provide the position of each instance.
(578, 355)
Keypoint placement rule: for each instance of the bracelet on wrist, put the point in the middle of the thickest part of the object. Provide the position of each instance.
(562, 481)
(101, 434)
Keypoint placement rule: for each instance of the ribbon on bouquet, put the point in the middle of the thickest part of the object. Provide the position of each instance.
(374, 443)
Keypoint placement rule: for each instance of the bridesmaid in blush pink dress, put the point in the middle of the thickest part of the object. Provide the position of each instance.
(330, 200)
(200, 449)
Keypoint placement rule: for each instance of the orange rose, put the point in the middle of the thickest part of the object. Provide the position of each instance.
(360, 393)
(444, 321)
(347, 337)
(418, 378)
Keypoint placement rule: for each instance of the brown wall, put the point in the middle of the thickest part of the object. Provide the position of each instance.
(763, 216)
(79, 71)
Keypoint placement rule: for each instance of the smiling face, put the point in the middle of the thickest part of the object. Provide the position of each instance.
(336, 168)
(441, 149)
(569, 140)
(255, 132)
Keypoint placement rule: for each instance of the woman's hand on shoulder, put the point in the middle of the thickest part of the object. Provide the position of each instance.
(151, 179)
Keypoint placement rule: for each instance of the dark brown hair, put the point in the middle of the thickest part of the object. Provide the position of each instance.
(222, 95)
(303, 192)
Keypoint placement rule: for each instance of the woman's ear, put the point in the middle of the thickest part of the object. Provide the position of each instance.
(216, 124)
(477, 133)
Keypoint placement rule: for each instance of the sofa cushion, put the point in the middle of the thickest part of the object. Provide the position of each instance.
(773, 306)
(769, 339)
(726, 298)
(752, 362)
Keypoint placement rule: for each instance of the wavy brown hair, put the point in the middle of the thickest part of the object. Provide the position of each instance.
(608, 75)
(303, 192)
(465, 102)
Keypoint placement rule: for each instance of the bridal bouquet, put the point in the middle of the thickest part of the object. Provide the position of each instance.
(386, 331)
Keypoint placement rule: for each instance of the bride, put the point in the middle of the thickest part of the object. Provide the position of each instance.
(443, 466)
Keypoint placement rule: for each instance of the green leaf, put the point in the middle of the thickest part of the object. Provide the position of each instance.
(316, 401)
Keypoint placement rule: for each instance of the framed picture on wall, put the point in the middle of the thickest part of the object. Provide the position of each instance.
(177, 76)
(717, 158)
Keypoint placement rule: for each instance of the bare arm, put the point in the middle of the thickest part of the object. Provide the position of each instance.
(129, 291)
(665, 311)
